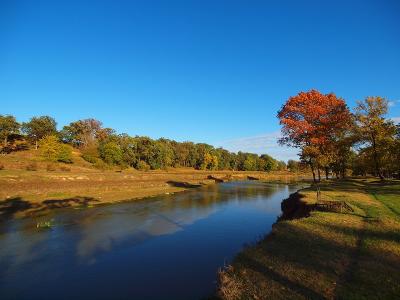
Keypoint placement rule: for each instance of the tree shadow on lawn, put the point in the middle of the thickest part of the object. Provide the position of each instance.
(344, 268)
(357, 185)
(270, 274)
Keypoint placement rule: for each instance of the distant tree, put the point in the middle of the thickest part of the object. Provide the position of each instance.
(182, 152)
(52, 150)
(373, 129)
(281, 165)
(128, 146)
(206, 161)
(164, 154)
(224, 159)
(145, 149)
(250, 163)
(204, 156)
(269, 164)
(38, 128)
(8, 126)
(102, 134)
(214, 163)
(293, 165)
(111, 153)
(82, 133)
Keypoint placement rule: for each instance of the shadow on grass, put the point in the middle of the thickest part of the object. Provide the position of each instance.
(343, 261)
(283, 257)
(270, 274)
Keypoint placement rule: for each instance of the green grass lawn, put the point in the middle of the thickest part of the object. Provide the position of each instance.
(328, 255)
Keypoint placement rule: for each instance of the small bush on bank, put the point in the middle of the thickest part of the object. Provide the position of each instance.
(1, 167)
(90, 154)
(142, 166)
(32, 167)
(101, 165)
(89, 158)
(64, 154)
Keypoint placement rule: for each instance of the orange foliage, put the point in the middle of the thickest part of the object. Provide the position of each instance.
(313, 119)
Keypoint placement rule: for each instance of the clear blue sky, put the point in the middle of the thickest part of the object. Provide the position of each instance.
(206, 71)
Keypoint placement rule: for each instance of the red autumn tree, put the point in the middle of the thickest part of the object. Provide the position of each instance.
(312, 122)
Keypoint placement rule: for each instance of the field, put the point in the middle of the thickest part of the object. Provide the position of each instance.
(29, 185)
(327, 255)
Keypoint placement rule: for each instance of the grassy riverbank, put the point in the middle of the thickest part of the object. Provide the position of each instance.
(25, 192)
(328, 255)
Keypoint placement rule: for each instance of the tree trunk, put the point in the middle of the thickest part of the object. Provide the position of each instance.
(319, 174)
(377, 168)
(36, 145)
(312, 170)
(5, 142)
(326, 173)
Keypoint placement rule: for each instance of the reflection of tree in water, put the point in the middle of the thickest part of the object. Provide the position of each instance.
(241, 191)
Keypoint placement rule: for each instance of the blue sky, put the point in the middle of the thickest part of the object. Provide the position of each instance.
(206, 71)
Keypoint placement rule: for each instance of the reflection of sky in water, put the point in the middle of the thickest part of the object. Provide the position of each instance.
(100, 233)
(150, 242)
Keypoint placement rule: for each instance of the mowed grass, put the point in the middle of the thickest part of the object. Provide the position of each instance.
(328, 255)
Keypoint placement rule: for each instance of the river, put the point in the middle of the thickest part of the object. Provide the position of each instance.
(165, 247)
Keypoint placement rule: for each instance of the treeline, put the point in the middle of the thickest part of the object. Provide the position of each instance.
(103, 147)
(332, 139)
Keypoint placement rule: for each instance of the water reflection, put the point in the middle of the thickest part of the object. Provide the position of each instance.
(140, 234)
(168, 215)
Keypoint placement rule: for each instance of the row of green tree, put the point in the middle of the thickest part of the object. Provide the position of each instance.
(333, 139)
(103, 146)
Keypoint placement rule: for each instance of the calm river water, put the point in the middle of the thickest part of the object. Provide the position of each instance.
(167, 247)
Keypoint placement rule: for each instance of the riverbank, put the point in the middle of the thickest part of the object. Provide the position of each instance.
(324, 254)
(25, 193)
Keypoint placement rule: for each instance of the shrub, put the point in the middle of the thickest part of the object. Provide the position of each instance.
(89, 158)
(65, 169)
(101, 165)
(142, 165)
(90, 154)
(50, 167)
(64, 154)
(1, 167)
(32, 167)
(52, 150)
(49, 148)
